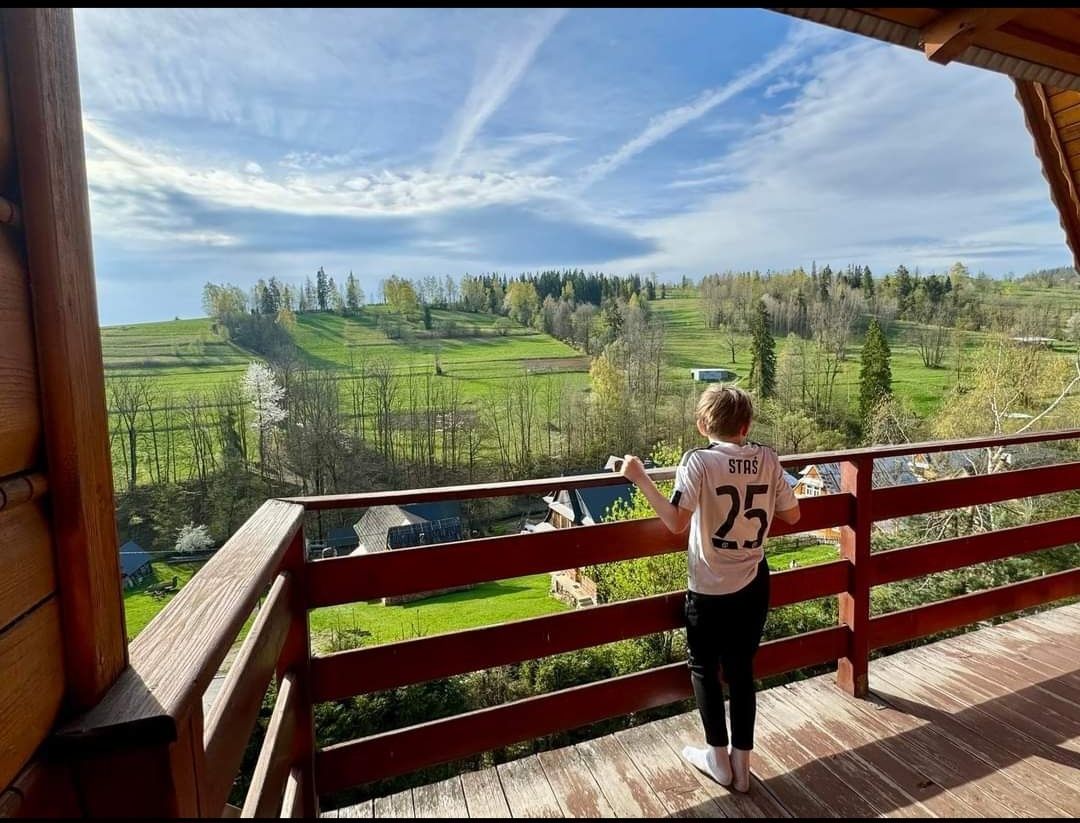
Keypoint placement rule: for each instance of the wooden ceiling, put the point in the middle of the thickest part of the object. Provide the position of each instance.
(1038, 47)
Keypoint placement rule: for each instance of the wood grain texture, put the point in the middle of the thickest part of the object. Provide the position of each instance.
(47, 117)
(292, 802)
(429, 568)
(484, 794)
(20, 404)
(9, 176)
(26, 561)
(445, 799)
(576, 790)
(374, 668)
(232, 717)
(272, 768)
(528, 792)
(31, 686)
(177, 654)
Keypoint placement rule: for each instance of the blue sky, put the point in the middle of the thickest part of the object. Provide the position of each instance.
(238, 144)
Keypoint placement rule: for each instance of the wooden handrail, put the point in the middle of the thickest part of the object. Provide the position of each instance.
(548, 484)
(429, 568)
(174, 658)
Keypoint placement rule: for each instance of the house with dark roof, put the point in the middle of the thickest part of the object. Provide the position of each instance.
(134, 564)
(386, 528)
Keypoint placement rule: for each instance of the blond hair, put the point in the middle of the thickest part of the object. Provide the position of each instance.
(724, 411)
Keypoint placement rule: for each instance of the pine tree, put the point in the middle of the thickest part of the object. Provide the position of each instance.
(352, 294)
(867, 282)
(763, 365)
(824, 282)
(875, 376)
(322, 290)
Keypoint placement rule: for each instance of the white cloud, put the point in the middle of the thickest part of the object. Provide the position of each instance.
(133, 185)
(873, 162)
(491, 88)
(251, 167)
(667, 123)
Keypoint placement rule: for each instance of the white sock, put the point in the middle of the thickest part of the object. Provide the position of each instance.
(704, 760)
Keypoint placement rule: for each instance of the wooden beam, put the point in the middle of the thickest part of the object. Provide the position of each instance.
(446, 565)
(916, 561)
(47, 117)
(857, 479)
(920, 621)
(267, 788)
(389, 665)
(946, 38)
(976, 490)
(404, 750)
(1049, 149)
(515, 488)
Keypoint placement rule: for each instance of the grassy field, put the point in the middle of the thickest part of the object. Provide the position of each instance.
(141, 607)
(372, 623)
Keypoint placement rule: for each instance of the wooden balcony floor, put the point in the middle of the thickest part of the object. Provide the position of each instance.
(986, 724)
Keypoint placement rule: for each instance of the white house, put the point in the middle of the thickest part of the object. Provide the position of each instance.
(713, 375)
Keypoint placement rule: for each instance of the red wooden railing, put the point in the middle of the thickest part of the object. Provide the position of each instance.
(151, 723)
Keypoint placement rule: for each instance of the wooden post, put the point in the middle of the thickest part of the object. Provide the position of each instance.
(856, 479)
(152, 778)
(47, 120)
(296, 658)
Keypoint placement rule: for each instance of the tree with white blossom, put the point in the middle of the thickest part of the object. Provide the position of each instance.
(261, 389)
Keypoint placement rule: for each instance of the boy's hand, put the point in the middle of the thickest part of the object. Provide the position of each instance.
(632, 469)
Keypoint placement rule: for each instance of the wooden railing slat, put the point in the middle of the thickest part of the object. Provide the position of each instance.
(233, 714)
(940, 495)
(429, 568)
(920, 621)
(375, 668)
(547, 484)
(943, 555)
(267, 786)
(405, 750)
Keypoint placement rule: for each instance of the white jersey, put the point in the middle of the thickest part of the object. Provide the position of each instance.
(733, 492)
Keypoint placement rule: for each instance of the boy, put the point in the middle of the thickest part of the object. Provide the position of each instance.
(727, 493)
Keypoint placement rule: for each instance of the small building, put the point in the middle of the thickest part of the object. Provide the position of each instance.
(571, 507)
(135, 564)
(1037, 342)
(713, 375)
(386, 528)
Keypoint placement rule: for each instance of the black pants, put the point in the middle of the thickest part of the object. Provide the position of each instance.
(723, 633)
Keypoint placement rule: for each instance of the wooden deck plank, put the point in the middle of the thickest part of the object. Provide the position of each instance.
(575, 788)
(815, 744)
(811, 772)
(527, 790)
(619, 779)
(1054, 679)
(790, 790)
(395, 805)
(443, 799)
(358, 811)
(997, 759)
(941, 760)
(484, 794)
(685, 730)
(666, 774)
(994, 739)
(851, 734)
(1002, 693)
